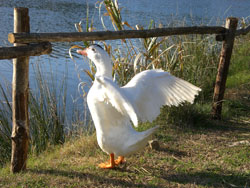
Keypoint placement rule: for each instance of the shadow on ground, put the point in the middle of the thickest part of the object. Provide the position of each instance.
(209, 179)
(99, 180)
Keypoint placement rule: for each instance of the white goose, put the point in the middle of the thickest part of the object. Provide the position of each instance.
(114, 109)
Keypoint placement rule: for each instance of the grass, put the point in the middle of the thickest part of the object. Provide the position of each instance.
(239, 69)
(188, 157)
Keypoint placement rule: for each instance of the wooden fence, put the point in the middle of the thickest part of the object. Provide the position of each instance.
(34, 44)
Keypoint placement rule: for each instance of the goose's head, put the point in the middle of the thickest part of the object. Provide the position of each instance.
(100, 58)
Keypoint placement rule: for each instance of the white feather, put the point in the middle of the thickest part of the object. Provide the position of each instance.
(113, 108)
(151, 89)
(117, 99)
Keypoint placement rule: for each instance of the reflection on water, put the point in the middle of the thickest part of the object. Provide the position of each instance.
(60, 16)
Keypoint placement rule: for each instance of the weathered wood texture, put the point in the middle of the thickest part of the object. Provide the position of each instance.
(226, 52)
(238, 32)
(20, 86)
(24, 51)
(111, 35)
(243, 31)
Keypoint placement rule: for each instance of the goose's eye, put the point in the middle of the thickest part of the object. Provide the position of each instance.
(93, 49)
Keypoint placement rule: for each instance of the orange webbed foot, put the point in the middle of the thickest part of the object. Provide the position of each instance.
(110, 164)
(106, 165)
(120, 160)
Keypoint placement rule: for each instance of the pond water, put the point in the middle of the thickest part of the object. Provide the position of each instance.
(61, 15)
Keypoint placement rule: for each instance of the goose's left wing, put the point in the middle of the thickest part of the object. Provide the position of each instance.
(117, 98)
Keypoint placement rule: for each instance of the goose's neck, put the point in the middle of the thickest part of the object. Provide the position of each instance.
(104, 69)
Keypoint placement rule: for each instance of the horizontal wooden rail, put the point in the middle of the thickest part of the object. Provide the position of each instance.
(24, 51)
(243, 31)
(111, 35)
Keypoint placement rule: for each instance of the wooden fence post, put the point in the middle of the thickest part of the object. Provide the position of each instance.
(226, 52)
(20, 87)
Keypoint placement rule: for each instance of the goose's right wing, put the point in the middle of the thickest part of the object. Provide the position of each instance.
(151, 89)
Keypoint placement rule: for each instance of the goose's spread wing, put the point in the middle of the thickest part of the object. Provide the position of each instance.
(114, 95)
(151, 89)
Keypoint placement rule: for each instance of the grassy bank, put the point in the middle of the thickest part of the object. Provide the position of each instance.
(188, 157)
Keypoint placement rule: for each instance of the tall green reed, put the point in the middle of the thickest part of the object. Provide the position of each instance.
(47, 110)
(5, 124)
(54, 114)
(191, 57)
(47, 114)
(52, 118)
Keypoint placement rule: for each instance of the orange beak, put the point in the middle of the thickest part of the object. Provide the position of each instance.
(82, 52)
